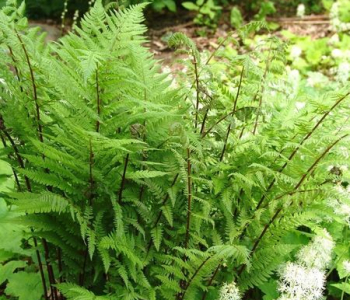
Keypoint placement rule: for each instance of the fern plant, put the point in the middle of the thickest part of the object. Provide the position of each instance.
(133, 189)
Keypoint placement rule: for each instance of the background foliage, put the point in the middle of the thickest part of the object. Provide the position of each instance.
(53, 8)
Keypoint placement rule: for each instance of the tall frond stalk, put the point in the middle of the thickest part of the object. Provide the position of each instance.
(206, 114)
(41, 270)
(343, 291)
(91, 177)
(212, 55)
(144, 157)
(295, 151)
(222, 118)
(3, 141)
(98, 100)
(91, 199)
(204, 120)
(188, 284)
(210, 281)
(189, 197)
(160, 213)
(232, 113)
(195, 64)
(50, 272)
(302, 179)
(122, 183)
(15, 66)
(29, 189)
(41, 138)
(60, 264)
(35, 93)
(18, 156)
(263, 83)
(225, 143)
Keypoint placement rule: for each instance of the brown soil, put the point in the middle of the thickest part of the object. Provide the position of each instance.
(161, 26)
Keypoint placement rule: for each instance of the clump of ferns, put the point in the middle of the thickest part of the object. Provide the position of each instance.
(138, 190)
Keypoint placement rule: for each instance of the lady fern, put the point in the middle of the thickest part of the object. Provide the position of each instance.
(135, 190)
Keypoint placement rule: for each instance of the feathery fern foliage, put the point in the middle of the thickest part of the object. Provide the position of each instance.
(132, 189)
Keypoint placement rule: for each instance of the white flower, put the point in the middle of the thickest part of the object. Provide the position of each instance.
(174, 84)
(337, 53)
(294, 80)
(295, 74)
(316, 79)
(334, 39)
(318, 253)
(301, 10)
(299, 105)
(295, 51)
(345, 209)
(166, 69)
(301, 283)
(343, 71)
(343, 168)
(346, 266)
(341, 205)
(329, 168)
(305, 279)
(346, 54)
(337, 24)
(2, 81)
(229, 291)
(344, 152)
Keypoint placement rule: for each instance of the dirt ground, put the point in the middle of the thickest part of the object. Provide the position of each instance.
(160, 27)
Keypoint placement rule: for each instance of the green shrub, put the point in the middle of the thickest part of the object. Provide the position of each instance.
(132, 189)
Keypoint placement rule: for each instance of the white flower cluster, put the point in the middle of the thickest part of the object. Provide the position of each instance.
(336, 23)
(316, 79)
(295, 51)
(64, 12)
(301, 283)
(230, 291)
(343, 72)
(317, 254)
(301, 10)
(334, 39)
(340, 209)
(346, 266)
(341, 204)
(91, 2)
(305, 278)
(167, 70)
(294, 80)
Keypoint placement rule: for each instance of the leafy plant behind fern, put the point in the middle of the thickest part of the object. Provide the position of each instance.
(132, 189)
